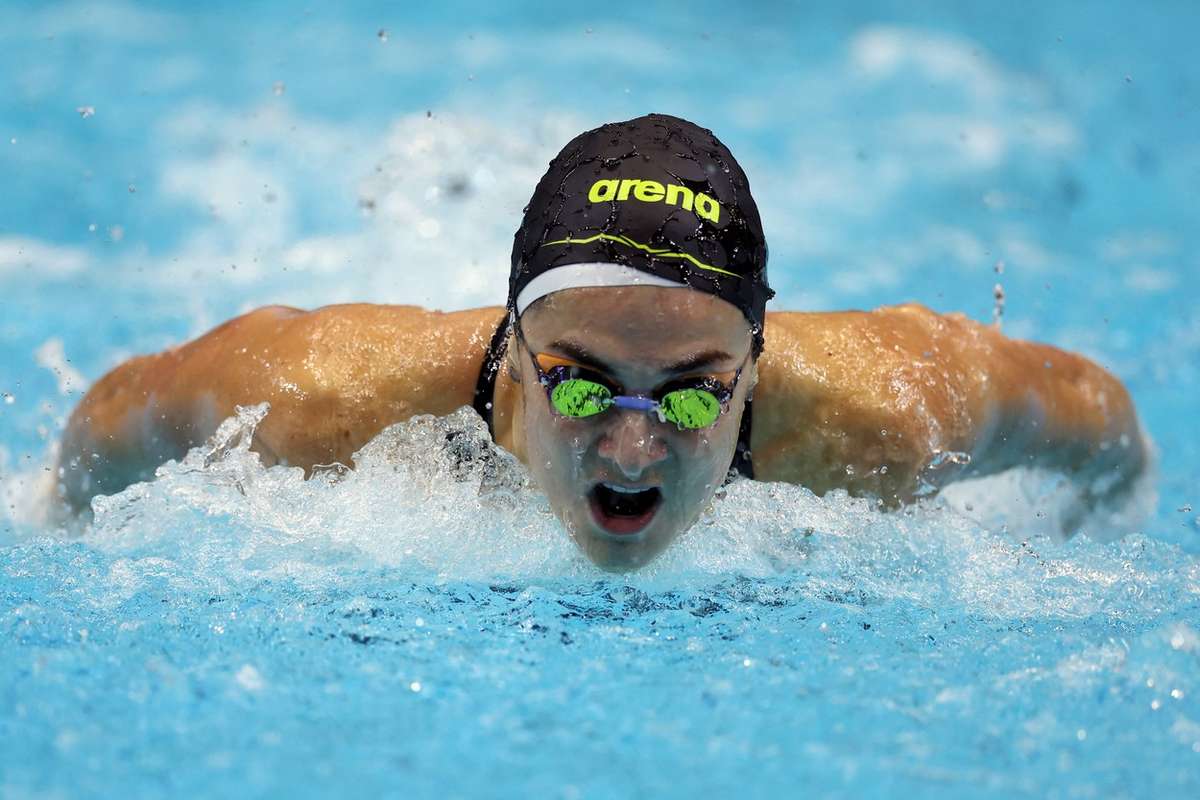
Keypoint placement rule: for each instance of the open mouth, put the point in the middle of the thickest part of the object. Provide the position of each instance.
(623, 510)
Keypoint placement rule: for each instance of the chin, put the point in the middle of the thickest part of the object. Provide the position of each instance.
(616, 557)
(617, 552)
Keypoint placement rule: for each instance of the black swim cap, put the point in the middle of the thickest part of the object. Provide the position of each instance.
(658, 194)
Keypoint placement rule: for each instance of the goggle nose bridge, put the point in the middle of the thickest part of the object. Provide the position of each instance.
(634, 403)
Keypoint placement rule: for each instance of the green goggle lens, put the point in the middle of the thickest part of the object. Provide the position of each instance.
(580, 398)
(690, 408)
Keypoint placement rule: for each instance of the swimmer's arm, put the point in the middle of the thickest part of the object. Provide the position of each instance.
(334, 378)
(883, 403)
(1044, 407)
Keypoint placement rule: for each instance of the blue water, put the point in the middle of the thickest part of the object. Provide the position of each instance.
(412, 629)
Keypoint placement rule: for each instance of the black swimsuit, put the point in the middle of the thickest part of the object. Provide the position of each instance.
(485, 388)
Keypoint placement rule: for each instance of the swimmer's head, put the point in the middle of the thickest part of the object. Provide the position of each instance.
(639, 267)
(657, 195)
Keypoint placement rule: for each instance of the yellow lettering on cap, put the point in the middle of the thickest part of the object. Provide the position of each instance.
(603, 190)
(707, 208)
(674, 193)
(649, 191)
(626, 185)
(646, 191)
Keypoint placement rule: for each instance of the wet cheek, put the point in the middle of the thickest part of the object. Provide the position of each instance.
(562, 447)
(704, 458)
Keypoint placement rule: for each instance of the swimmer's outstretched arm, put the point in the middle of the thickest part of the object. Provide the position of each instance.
(334, 378)
(900, 400)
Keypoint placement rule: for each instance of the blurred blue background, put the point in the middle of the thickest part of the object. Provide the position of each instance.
(168, 165)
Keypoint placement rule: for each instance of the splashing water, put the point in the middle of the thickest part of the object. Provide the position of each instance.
(421, 626)
(224, 609)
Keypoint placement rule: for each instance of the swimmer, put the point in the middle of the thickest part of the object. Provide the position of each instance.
(633, 370)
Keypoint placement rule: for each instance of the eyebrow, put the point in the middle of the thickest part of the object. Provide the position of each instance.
(577, 352)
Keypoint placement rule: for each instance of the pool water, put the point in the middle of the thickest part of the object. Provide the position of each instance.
(421, 626)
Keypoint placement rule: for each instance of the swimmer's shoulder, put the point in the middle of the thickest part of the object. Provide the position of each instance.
(829, 348)
(335, 375)
(859, 389)
(344, 372)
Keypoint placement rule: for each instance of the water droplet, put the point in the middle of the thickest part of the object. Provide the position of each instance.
(944, 457)
(13, 140)
(249, 678)
(1081, 734)
(415, 686)
(1186, 508)
(85, 111)
(92, 228)
(1177, 694)
(278, 88)
(382, 35)
(1155, 705)
(9, 399)
(1129, 79)
(132, 188)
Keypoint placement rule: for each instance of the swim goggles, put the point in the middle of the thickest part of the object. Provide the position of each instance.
(578, 392)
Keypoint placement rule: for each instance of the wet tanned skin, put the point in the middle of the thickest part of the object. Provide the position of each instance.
(839, 396)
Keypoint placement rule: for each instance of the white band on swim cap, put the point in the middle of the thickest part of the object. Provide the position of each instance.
(595, 273)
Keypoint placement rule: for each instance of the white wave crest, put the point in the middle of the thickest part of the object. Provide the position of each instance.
(433, 499)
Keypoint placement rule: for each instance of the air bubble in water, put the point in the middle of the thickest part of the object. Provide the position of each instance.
(382, 35)
(278, 88)
(85, 111)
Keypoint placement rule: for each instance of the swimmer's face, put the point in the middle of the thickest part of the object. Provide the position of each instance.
(625, 483)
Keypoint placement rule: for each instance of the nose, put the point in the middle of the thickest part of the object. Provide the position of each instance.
(632, 444)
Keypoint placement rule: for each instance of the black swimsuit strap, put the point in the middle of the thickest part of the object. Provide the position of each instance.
(485, 388)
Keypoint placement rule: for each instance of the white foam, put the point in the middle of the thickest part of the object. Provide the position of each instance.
(434, 499)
